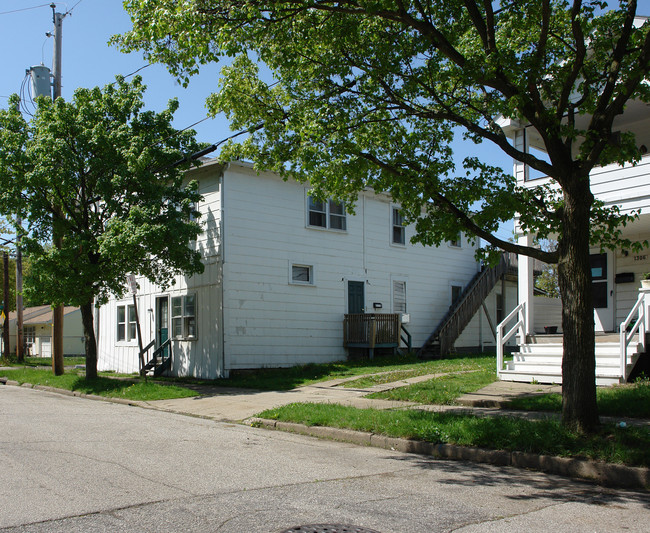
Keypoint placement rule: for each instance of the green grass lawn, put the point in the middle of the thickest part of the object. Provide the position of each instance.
(630, 445)
(631, 400)
(395, 367)
(74, 380)
(43, 361)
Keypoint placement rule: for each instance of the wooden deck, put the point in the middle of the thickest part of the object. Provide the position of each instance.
(371, 330)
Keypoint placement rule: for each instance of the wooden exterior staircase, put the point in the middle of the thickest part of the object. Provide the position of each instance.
(441, 341)
(161, 359)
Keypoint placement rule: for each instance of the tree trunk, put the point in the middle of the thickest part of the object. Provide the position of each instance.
(579, 410)
(91, 343)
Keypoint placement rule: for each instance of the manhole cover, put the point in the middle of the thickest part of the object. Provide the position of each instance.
(329, 528)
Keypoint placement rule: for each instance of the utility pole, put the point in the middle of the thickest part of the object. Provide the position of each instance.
(5, 326)
(57, 312)
(20, 353)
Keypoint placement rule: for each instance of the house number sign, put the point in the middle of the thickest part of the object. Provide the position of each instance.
(640, 257)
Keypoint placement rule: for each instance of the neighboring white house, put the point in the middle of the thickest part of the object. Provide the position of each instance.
(37, 331)
(621, 307)
(281, 271)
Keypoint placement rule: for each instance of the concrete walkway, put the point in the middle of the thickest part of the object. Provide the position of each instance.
(237, 405)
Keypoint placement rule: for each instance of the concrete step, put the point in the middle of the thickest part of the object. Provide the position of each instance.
(551, 378)
(556, 349)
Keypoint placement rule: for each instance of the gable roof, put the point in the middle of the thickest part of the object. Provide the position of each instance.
(41, 314)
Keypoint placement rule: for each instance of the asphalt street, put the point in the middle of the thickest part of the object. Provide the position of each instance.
(72, 464)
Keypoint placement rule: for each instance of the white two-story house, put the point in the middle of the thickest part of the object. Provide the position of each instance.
(281, 272)
(620, 304)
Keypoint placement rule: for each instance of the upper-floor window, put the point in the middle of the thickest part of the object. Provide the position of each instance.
(457, 241)
(328, 214)
(399, 231)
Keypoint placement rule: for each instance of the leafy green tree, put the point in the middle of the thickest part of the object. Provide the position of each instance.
(100, 173)
(369, 93)
(546, 279)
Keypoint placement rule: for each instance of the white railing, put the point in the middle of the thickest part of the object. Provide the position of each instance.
(502, 337)
(640, 326)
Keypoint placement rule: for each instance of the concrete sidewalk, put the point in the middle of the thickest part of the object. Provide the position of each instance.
(235, 405)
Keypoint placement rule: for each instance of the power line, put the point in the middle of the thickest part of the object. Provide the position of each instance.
(26, 9)
(69, 11)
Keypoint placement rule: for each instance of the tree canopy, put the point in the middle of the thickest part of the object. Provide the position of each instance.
(100, 173)
(369, 93)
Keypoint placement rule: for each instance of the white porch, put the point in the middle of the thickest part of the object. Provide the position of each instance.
(539, 358)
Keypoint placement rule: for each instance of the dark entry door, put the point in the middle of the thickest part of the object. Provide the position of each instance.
(356, 297)
(162, 322)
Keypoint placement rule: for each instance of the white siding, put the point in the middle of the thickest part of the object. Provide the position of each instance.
(271, 322)
(478, 335)
(250, 313)
(202, 357)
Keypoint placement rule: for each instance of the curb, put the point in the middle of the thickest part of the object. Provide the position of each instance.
(608, 475)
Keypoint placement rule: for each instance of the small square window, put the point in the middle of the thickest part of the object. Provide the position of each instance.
(302, 274)
(457, 241)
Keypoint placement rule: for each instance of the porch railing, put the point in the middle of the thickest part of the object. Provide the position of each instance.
(371, 330)
(503, 336)
(638, 325)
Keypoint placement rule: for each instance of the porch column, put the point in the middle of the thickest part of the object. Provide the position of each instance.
(525, 284)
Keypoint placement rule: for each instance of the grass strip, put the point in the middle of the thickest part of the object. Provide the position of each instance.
(42, 361)
(298, 376)
(444, 390)
(74, 380)
(630, 400)
(629, 446)
(454, 363)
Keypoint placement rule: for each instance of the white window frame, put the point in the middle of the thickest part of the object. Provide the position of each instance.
(456, 243)
(29, 334)
(188, 321)
(327, 213)
(292, 281)
(129, 324)
(395, 209)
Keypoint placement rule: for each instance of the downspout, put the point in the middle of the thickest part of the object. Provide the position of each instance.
(222, 233)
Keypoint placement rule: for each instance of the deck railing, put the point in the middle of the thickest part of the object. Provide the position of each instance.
(503, 336)
(371, 330)
(639, 325)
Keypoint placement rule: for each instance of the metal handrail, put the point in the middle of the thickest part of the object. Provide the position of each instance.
(503, 338)
(640, 326)
(408, 339)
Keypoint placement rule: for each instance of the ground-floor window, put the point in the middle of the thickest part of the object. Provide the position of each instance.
(29, 334)
(399, 296)
(126, 323)
(184, 316)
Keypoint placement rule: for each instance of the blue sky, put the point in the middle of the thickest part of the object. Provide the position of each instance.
(89, 61)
